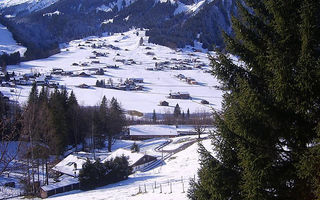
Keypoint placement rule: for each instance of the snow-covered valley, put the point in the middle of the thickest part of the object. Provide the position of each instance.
(157, 65)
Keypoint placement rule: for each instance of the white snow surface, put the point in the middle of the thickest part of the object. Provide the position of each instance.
(180, 168)
(8, 44)
(66, 166)
(133, 157)
(57, 12)
(157, 84)
(30, 5)
(65, 182)
(153, 130)
(189, 9)
(119, 4)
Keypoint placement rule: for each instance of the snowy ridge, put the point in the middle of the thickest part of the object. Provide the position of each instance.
(29, 5)
(190, 9)
(53, 13)
(119, 4)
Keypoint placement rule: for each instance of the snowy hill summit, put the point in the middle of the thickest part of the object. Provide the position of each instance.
(42, 24)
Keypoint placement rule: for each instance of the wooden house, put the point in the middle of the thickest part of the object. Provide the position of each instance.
(164, 103)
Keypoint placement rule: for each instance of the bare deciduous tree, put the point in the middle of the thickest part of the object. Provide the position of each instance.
(200, 120)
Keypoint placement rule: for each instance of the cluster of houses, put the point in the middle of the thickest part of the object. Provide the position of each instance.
(189, 80)
(97, 44)
(176, 64)
(126, 62)
(11, 79)
(129, 84)
(68, 169)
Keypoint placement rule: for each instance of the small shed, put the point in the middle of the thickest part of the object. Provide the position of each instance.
(136, 80)
(85, 86)
(164, 103)
(59, 187)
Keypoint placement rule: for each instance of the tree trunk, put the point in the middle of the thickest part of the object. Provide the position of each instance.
(109, 142)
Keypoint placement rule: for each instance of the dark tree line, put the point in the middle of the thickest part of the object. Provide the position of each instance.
(95, 174)
(267, 138)
(53, 122)
(9, 59)
(57, 120)
(109, 121)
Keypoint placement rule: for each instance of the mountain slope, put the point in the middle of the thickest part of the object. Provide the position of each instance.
(45, 23)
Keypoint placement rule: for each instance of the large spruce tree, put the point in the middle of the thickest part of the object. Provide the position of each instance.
(267, 138)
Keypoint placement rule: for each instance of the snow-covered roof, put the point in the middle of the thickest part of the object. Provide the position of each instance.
(133, 156)
(153, 130)
(41, 79)
(63, 183)
(66, 166)
(191, 128)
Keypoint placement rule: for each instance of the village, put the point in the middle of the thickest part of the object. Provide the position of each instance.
(126, 63)
(149, 81)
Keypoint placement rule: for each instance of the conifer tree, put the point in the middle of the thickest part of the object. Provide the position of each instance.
(117, 121)
(73, 120)
(188, 114)
(177, 111)
(102, 123)
(154, 116)
(267, 138)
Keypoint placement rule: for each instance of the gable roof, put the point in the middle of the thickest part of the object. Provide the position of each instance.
(133, 157)
(160, 130)
(66, 166)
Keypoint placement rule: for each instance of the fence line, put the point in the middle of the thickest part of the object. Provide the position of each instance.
(167, 187)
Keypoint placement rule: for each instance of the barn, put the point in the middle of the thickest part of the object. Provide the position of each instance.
(142, 132)
(59, 187)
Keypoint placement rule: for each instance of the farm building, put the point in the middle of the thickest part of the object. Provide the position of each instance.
(164, 103)
(136, 80)
(190, 130)
(71, 165)
(83, 74)
(179, 95)
(57, 71)
(139, 132)
(59, 187)
(85, 86)
(136, 160)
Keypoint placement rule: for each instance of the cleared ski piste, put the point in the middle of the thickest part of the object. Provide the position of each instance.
(158, 84)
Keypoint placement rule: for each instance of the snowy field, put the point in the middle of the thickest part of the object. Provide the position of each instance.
(8, 44)
(157, 84)
(174, 178)
(174, 175)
